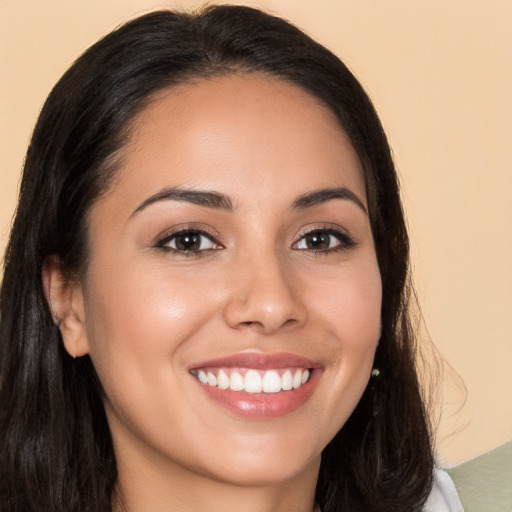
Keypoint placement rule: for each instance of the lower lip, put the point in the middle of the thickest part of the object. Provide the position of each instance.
(262, 406)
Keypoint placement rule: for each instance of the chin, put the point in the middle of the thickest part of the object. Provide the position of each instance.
(264, 461)
(261, 472)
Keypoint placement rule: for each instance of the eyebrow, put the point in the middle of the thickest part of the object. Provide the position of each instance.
(219, 201)
(209, 199)
(323, 195)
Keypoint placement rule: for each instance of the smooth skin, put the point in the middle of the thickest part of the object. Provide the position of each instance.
(155, 302)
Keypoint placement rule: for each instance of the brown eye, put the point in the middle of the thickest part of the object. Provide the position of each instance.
(319, 241)
(189, 241)
(324, 240)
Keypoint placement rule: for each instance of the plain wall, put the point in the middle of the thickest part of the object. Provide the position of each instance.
(439, 73)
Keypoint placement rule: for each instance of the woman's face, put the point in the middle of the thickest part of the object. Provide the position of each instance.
(234, 247)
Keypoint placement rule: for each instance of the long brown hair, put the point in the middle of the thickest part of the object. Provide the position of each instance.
(56, 452)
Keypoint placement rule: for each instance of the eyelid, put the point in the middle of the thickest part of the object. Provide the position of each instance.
(163, 239)
(345, 239)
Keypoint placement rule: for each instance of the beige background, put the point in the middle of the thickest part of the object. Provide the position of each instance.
(440, 75)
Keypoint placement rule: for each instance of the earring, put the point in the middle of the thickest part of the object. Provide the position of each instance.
(374, 378)
(374, 387)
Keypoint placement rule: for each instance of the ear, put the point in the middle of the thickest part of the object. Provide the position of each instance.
(66, 303)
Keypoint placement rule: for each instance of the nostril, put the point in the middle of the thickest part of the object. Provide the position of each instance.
(290, 323)
(251, 324)
(256, 325)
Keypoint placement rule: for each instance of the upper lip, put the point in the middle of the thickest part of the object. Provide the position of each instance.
(259, 361)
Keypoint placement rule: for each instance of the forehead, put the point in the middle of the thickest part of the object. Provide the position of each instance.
(235, 133)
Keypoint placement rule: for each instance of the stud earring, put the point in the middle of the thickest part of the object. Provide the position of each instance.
(375, 373)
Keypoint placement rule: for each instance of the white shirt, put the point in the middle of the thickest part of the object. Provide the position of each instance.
(443, 497)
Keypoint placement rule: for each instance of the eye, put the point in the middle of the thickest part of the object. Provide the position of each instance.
(189, 241)
(324, 240)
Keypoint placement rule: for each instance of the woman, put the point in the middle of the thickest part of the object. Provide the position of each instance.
(205, 297)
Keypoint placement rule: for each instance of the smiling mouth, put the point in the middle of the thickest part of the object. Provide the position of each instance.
(258, 386)
(252, 380)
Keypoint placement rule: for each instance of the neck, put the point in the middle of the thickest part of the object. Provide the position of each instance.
(168, 487)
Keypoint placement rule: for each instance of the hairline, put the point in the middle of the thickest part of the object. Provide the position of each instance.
(111, 168)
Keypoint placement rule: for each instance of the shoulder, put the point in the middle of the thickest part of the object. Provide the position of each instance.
(483, 483)
(443, 497)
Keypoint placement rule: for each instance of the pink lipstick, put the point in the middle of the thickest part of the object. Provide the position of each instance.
(256, 385)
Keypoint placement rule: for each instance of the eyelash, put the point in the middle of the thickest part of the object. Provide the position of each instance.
(346, 242)
(169, 238)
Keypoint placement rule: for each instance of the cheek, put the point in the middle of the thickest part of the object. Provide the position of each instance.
(140, 319)
(350, 304)
(359, 323)
(138, 325)
(349, 309)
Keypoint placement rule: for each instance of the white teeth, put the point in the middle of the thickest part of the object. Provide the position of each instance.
(271, 382)
(254, 381)
(297, 379)
(287, 380)
(236, 382)
(222, 380)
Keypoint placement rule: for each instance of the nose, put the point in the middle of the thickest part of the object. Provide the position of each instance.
(264, 297)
